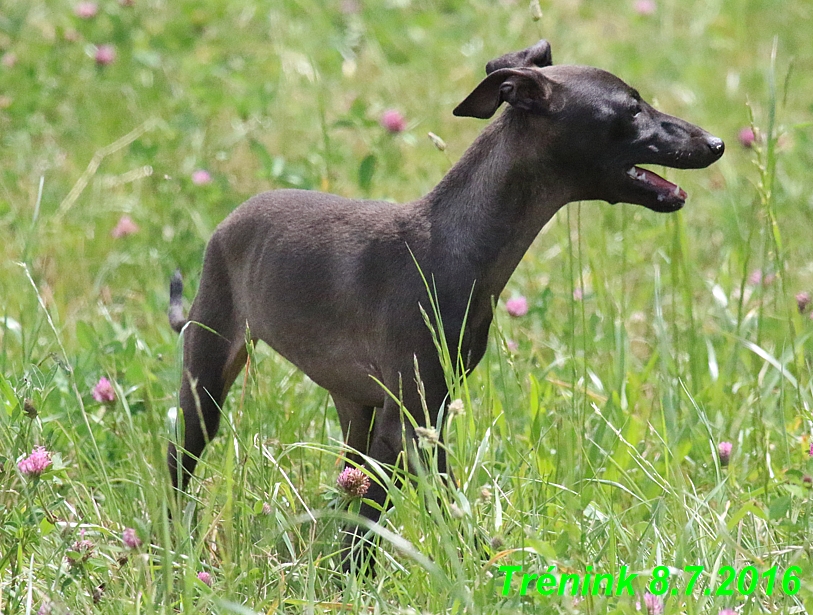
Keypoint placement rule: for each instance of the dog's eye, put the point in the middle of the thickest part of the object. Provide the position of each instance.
(635, 111)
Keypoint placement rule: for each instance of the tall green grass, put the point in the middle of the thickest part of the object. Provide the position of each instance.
(590, 430)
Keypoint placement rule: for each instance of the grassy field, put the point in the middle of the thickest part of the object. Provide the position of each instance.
(591, 432)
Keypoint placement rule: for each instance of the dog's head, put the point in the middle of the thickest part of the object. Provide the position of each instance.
(594, 128)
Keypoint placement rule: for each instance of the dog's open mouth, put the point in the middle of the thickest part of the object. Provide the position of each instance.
(668, 196)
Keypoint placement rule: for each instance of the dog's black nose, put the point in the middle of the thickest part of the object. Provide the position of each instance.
(716, 145)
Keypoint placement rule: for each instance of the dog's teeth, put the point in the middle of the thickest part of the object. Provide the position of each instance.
(676, 191)
(636, 173)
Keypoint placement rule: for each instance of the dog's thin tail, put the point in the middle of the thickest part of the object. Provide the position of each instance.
(176, 318)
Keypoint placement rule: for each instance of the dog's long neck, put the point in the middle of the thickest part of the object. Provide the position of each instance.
(485, 213)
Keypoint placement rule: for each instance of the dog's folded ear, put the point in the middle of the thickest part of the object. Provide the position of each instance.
(537, 55)
(522, 88)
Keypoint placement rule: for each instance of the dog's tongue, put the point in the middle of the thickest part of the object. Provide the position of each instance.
(658, 182)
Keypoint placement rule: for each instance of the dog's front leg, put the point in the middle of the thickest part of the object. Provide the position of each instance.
(356, 421)
(386, 444)
(391, 431)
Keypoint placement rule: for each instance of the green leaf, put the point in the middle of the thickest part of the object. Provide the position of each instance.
(7, 395)
(749, 508)
(266, 161)
(358, 109)
(86, 335)
(46, 527)
(779, 507)
(543, 548)
(534, 395)
(366, 170)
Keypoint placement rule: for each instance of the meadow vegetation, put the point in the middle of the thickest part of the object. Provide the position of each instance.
(652, 407)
